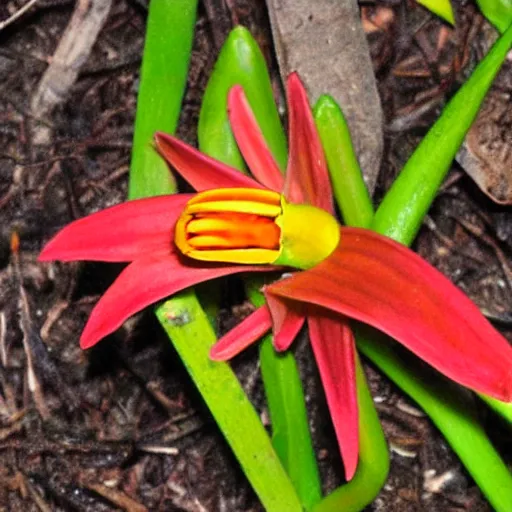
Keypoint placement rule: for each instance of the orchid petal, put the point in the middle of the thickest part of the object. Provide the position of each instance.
(376, 280)
(123, 232)
(307, 179)
(334, 349)
(144, 282)
(287, 320)
(201, 171)
(248, 331)
(251, 142)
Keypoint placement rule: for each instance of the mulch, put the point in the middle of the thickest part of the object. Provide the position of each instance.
(121, 427)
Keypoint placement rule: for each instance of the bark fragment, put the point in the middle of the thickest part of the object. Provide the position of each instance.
(324, 41)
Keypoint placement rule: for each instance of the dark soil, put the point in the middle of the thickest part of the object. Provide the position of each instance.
(121, 426)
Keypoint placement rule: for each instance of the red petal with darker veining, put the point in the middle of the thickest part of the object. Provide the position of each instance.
(251, 142)
(201, 171)
(287, 320)
(307, 179)
(248, 331)
(375, 280)
(121, 233)
(144, 282)
(334, 349)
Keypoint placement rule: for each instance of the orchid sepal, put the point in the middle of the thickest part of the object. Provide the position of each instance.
(378, 281)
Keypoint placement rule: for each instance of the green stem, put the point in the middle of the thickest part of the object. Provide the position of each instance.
(188, 327)
(163, 78)
(241, 62)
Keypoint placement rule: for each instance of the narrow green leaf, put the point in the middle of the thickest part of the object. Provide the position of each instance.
(241, 62)
(188, 326)
(163, 79)
(401, 212)
(162, 85)
(347, 180)
(443, 8)
(285, 399)
(498, 12)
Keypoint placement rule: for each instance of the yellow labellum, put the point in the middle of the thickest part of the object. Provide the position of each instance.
(253, 226)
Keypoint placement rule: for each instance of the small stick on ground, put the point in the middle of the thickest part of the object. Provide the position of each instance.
(18, 14)
(72, 52)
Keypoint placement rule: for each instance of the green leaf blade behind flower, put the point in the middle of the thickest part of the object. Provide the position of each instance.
(347, 179)
(163, 79)
(162, 86)
(189, 328)
(240, 62)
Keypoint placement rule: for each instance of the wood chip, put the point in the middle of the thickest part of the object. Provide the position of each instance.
(325, 43)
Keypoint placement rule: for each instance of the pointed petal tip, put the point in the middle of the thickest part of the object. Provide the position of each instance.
(217, 354)
(350, 470)
(162, 138)
(198, 169)
(45, 254)
(294, 80)
(88, 341)
(236, 90)
(242, 335)
(53, 252)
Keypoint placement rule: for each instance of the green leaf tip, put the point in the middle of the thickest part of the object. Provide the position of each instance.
(241, 62)
(443, 8)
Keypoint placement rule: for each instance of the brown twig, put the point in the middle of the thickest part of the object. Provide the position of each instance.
(20, 12)
(73, 50)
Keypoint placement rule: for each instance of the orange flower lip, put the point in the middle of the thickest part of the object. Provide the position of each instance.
(254, 226)
(231, 225)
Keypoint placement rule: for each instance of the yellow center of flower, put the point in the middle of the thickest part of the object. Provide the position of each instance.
(253, 226)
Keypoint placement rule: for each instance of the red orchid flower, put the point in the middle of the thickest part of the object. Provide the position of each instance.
(236, 224)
